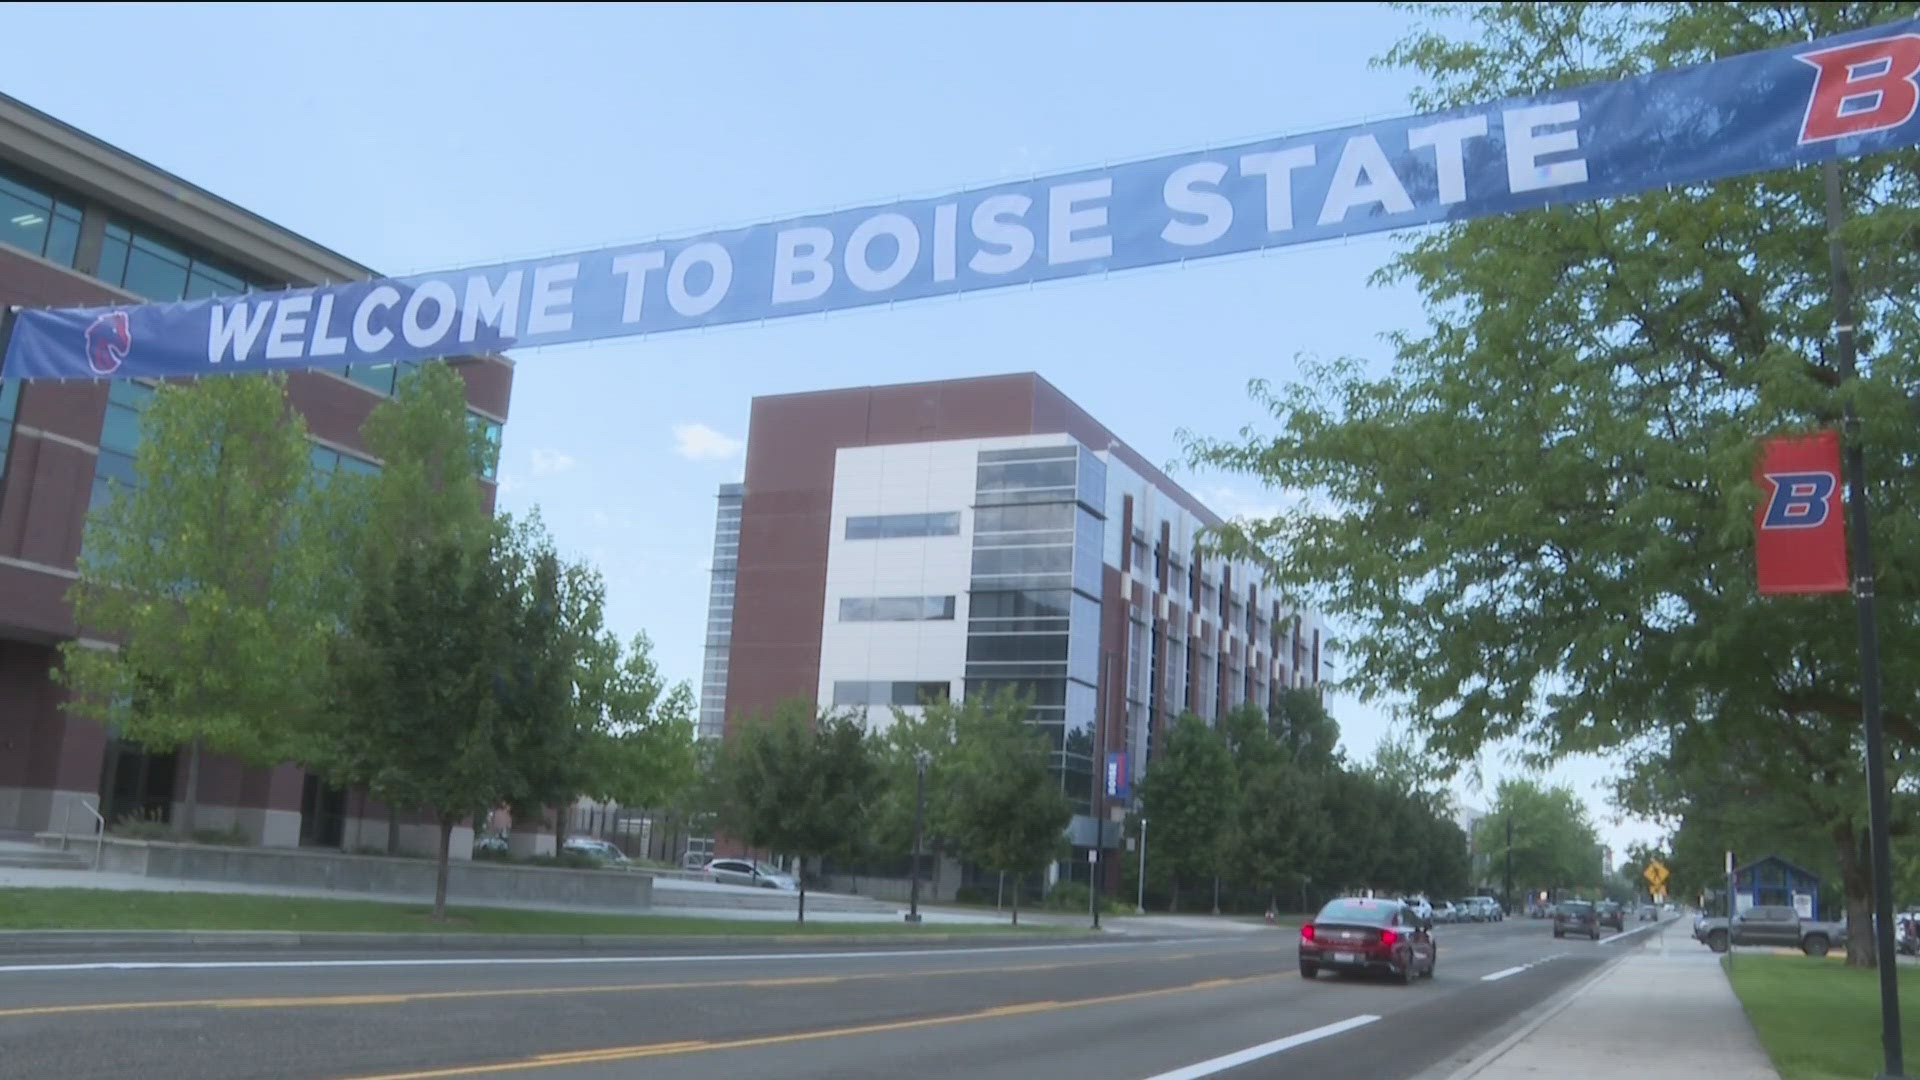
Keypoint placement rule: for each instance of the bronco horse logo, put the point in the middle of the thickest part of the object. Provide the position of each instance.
(108, 340)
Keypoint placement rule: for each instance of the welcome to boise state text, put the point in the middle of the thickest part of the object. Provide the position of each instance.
(1842, 96)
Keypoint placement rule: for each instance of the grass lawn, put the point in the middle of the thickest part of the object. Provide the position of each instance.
(108, 909)
(1819, 1019)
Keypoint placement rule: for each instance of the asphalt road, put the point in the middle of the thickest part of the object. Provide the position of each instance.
(1127, 1008)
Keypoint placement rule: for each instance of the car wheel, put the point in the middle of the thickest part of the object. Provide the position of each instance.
(1308, 971)
(1815, 946)
(1717, 941)
(1596, 933)
(1404, 975)
(1557, 932)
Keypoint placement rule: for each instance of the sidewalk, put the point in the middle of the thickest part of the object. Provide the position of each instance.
(1666, 1012)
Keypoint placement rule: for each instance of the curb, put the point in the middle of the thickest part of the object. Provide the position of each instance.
(29, 942)
(1530, 1022)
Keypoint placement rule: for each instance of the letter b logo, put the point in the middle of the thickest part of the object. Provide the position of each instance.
(1799, 500)
(1861, 88)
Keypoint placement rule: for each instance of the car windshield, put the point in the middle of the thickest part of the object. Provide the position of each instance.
(1358, 910)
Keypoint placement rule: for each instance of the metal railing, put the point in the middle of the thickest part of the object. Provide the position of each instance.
(99, 832)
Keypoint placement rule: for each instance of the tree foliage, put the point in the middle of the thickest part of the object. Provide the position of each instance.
(797, 782)
(1541, 517)
(1004, 809)
(1554, 845)
(211, 576)
(1189, 797)
(422, 682)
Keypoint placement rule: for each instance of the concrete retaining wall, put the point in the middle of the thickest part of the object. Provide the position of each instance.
(332, 870)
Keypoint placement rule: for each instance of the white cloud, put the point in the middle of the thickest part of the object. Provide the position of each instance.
(551, 462)
(698, 442)
(506, 485)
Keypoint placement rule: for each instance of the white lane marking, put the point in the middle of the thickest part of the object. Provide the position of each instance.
(1628, 933)
(484, 961)
(1498, 975)
(1255, 1053)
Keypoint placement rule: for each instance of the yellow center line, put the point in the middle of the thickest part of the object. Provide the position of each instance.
(663, 1049)
(361, 1000)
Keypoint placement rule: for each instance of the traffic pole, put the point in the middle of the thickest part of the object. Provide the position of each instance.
(1855, 464)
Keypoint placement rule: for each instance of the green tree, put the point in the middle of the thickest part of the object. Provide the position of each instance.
(1188, 797)
(1554, 844)
(1541, 517)
(212, 578)
(1004, 809)
(423, 677)
(797, 782)
(645, 752)
(426, 492)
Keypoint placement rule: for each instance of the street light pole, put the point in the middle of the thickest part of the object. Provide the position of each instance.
(1877, 812)
(919, 817)
(1506, 896)
(1140, 902)
(1099, 789)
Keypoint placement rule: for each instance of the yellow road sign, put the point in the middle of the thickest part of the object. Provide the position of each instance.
(1655, 873)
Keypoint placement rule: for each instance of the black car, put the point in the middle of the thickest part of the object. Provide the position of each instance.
(1365, 935)
(1576, 917)
(1611, 914)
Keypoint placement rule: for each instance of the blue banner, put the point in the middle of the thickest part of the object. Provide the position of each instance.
(1842, 96)
(1119, 778)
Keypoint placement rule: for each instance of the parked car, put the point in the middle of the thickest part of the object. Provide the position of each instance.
(1771, 925)
(1576, 917)
(747, 872)
(1364, 935)
(1485, 909)
(599, 849)
(490, 844)
(1445, 912)
(1609, 913)
(1649, 913)
(1421, 908)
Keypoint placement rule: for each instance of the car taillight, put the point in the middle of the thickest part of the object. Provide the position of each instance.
(1388, 937)
(1306, 932)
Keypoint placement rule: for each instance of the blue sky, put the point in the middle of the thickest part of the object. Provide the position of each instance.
(417, 138)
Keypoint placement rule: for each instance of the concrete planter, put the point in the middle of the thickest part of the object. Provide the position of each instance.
(378, 875)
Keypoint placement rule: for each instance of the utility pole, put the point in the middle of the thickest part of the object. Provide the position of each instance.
(1855, 463)
(1140, 902)
(1506, 897)
(1099, 787)
(919, 820)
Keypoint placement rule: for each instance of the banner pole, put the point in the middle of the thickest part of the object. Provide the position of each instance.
(1885, 958)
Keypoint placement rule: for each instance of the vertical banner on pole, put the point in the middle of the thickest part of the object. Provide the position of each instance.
(1800, 541)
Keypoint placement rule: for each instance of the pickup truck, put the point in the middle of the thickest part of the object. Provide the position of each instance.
(1772, 926)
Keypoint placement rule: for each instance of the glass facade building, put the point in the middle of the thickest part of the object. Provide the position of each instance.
(726, 554)
(974, 536)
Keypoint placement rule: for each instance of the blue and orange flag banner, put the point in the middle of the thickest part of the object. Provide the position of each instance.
(1800, 533)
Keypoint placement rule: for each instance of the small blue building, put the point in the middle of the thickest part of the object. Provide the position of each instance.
(1775, 882)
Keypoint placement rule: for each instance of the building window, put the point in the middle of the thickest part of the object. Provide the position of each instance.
(888, 693)
(119, 439)
(326, 461)
(895, 608)
(892, 526)
(9, 407)
(162, 270)
(489, 464)
(37, 222)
